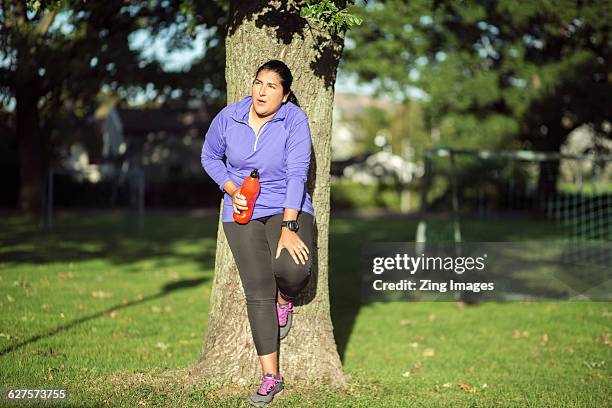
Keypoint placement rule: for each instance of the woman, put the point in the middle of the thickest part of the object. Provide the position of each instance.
(266, 131)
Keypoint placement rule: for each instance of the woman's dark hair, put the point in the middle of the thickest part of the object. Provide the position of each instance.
(284, 73)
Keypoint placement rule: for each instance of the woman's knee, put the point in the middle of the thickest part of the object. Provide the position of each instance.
(291, 277)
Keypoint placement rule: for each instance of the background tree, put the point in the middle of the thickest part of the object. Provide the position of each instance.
(366, 125)
(58, 58)
(498, 74)
(401, 124)
(259, 31)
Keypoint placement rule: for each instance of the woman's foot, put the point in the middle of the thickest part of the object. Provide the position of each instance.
(285, 317)
(270, 386)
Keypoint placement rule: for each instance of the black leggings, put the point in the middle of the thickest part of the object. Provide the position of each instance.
(254, 248)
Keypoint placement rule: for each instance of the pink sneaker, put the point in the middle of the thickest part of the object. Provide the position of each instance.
(270, 386)
(285, 313)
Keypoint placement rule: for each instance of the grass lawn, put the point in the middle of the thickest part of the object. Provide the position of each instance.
(115, 316)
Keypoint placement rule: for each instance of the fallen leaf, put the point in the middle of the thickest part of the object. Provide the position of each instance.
(406, 322)
(544, 339)
(517, 334)
(406, 374)
(101, 294)
(428, 352)
(125, 302)
(64, 275)
(161, 345)
(139, 297)
(465, 387)
(417, 365)
(605, 339)
(167, 308)
(114, 314)
(413, 344)
(568, 350)
(155, 309)
(447, 385)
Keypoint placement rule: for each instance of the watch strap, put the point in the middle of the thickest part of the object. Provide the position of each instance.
(287, 222)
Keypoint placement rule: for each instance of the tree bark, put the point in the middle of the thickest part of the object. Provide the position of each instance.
(260, 31)
(30, 142)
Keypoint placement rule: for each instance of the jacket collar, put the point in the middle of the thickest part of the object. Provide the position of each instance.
(241, 113)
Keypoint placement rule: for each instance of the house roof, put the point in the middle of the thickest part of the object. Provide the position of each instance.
(349, 104)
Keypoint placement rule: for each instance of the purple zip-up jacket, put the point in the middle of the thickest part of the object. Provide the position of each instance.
(281, 153)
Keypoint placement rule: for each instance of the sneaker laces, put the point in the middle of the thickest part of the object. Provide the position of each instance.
(267, 384)
(283, 313)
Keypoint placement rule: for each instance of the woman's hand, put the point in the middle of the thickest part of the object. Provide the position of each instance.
(294, 245)
(238, 201)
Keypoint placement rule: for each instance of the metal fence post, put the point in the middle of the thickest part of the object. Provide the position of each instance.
(455, 200)
(48, 219)
(141, 197)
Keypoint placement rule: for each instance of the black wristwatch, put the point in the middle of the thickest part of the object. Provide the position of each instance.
(291, 225)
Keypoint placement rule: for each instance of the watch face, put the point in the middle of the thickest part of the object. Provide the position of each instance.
(293, 225)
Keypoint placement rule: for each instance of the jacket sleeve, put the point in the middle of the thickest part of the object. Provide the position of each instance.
(213, 151)
(298, 149)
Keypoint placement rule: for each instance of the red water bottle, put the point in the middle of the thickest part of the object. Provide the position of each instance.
(250, 190)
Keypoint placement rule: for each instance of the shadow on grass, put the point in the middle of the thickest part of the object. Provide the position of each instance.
(166, 290)
(110, 237)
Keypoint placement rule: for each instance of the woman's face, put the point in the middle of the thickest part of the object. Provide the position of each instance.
(267, 93)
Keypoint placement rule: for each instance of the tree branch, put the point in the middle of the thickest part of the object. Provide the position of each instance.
(46, 22)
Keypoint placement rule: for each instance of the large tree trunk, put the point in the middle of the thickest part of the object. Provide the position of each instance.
(31, 168)
(27, 94)
(259, 32)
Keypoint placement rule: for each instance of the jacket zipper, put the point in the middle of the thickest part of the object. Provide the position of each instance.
(257, 135)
